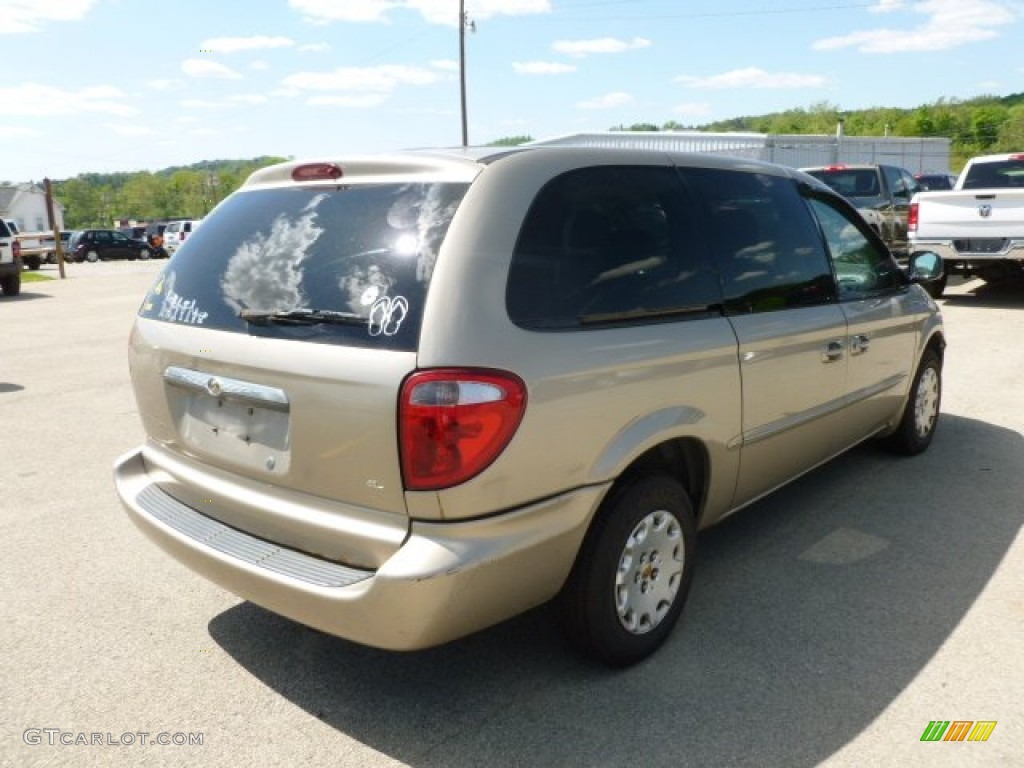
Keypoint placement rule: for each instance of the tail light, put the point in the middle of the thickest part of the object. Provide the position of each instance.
(453, 423)
(16, 249)
(912, 215)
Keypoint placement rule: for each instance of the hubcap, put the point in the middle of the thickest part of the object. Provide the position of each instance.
(926, 407)
(650, 572)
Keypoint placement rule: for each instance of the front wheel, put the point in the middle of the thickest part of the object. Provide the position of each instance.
(630, 581)
(92, 257)
(145, 254)
(921, 413)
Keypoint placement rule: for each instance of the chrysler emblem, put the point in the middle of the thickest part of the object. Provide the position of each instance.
(213, 386)
(984, 211)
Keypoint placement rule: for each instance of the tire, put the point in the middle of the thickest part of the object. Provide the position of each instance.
(11, 285)
(631, 578)
(921, 413)
(92, 257)
(145, 254)
(33, 262)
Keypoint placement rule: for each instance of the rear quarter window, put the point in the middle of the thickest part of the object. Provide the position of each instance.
(610, 245)
(367, 251)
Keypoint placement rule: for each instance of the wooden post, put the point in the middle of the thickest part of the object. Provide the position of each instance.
(53, 226)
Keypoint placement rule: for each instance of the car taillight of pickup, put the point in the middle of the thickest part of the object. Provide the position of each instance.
(978, 226)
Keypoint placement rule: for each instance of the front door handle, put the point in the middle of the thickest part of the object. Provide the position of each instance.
(833, 352)
(859, 344)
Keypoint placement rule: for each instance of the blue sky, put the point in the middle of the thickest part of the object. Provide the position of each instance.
(126, 85)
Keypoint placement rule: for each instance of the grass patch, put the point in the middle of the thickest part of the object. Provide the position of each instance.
(34, 277)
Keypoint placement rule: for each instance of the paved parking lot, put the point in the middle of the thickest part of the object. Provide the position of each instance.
(828, 624)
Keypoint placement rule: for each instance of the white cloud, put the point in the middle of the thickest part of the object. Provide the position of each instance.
(382, 79)
(21, 16)
(359, 101)
(433, 11)
(949, 24)
(752, 77)
(542, 67)
(259, 65)
(599, 45)
(608, 101)
(253, 43)
(445, 65)
(887, 6)
(46, 101)
(208, 68)
(314, 47)
(447, 11)
(326, 11)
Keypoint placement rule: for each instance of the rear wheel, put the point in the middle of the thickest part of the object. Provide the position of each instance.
(33, 262)
(11, 284)
(631, 578)
(921, 413)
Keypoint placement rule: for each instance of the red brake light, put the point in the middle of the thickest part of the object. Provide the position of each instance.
(834, 168)
(316, 172)
(912, 214)
(1017, 158)
(16, 249)
(453, 423)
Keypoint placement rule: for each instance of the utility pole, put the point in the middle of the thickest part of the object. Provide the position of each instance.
(53, 226)
(464, 22)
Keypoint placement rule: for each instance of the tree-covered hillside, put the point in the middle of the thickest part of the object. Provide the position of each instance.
(987, 124)
(101, 199)
(984, 125)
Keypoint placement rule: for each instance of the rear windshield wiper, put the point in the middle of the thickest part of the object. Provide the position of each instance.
(648, 314)
(302, 317)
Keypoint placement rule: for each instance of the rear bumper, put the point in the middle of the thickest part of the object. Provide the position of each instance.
(1013, 250)
(445, 581)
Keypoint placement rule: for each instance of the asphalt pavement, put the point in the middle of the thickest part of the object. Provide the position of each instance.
(829, 624)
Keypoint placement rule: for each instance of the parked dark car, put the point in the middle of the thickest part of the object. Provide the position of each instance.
(102, 244)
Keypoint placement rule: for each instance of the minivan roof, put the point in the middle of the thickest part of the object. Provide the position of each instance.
(465, 163)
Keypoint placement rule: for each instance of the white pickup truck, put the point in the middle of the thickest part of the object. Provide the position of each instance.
(36, 247)
(10, 262)
(978, 226)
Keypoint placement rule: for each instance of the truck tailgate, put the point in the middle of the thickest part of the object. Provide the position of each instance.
(966, 215)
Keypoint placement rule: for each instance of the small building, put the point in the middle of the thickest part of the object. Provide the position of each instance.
(917, 155)
(26, 205)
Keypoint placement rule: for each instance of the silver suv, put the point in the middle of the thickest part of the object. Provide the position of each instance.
(402, 398)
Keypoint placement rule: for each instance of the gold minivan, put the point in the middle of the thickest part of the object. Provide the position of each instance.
(400, 398)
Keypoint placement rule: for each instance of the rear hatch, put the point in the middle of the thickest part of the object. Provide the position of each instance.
(268, 357)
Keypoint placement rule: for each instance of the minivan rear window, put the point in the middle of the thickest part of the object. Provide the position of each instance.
(343, 265)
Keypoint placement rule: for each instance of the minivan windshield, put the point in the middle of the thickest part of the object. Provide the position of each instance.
(291, 262)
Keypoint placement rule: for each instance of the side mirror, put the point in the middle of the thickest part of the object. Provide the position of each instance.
(926, 266)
